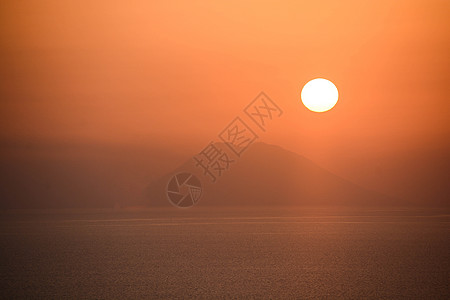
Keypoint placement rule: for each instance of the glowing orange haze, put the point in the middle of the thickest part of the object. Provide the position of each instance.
(167, 75)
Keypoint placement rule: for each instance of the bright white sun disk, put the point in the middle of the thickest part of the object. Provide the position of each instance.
(319, 95)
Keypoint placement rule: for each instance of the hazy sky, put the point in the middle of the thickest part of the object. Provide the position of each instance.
(170, 75)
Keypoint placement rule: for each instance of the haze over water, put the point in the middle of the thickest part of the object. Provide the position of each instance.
(210, 253)
(103, 102)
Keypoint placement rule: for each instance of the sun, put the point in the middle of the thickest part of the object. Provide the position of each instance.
(319, 95)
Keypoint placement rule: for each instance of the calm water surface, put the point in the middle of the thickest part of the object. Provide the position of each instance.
(239, 253)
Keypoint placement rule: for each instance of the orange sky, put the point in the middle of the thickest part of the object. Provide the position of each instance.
(171, 75)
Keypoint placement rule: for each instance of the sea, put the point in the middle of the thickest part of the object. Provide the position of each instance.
(223, 253)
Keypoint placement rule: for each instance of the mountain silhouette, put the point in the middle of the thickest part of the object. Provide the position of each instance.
(268, 175)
